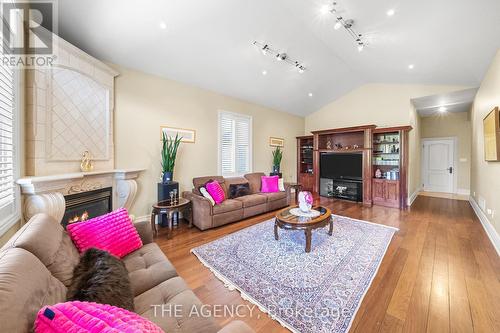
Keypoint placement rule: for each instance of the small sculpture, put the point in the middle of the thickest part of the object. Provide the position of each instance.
(341, 189)
(305, 201)
(378, 173)
(338, 146)
(86, 164)
(328, 144)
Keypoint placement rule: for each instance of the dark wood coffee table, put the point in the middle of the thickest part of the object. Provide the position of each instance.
(286, 220)
(166, 207)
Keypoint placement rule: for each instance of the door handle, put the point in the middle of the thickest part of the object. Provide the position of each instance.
(450, 169)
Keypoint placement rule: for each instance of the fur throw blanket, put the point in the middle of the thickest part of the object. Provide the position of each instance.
(102, 278)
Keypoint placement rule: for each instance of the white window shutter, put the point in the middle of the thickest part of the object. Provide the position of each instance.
(8, 207)
(235, 136)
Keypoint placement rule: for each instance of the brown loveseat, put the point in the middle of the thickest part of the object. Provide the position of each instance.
(206, 216)
(36, 267)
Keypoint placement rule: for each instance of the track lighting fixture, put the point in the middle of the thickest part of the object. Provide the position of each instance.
(266, 49)
(347, 24)
(281, 56)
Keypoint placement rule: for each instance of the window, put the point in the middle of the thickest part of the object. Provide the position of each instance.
(235, 144)
(9, 199)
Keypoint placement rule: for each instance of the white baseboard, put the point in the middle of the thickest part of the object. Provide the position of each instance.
(487, 226)
(413, 196)
(141, 218)
(463, 191)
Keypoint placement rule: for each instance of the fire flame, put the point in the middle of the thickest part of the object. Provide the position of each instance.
(76, 218)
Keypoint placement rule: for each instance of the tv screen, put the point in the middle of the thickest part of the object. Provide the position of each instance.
(341, 165)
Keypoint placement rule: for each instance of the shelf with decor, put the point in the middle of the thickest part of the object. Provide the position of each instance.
(390, 166)
(355, 143)
(305, 162)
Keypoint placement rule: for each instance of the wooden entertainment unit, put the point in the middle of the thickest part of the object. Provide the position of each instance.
(385, 149)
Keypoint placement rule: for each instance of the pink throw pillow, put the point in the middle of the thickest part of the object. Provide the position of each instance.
(87, 317)
(269, 184)
(113, 232)
(216, 192)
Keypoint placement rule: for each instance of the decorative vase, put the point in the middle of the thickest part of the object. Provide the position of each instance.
(167, 176)
(86, 165)
(305, 201)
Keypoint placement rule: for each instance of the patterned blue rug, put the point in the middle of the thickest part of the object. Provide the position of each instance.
(318, 291)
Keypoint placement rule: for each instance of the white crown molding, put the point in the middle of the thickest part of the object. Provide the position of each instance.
(487, 225)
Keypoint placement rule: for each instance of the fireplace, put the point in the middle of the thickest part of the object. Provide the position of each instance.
(86, 205)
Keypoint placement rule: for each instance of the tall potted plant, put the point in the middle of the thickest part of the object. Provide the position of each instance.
(277, 156)
(168, 155)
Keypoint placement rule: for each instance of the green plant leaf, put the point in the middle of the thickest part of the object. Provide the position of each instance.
(169, 150)
(277, 156)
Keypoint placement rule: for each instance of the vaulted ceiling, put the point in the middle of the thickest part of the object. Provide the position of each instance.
(209, 44)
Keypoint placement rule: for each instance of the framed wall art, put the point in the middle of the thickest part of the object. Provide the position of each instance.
(276, 142)
(491, 126)
(188, 135)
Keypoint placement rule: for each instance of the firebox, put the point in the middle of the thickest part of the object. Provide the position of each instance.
(86, 205)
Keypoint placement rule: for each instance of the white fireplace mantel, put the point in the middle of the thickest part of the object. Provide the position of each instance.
(45, 194)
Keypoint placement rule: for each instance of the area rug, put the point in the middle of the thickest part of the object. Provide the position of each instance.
(318, 291)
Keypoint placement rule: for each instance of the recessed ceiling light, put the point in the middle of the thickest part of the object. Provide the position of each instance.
(324, 9)
(411, 66)
(163, 25)
(360, 47)
(337, 25)
(310, 94)
(391, 12)
(264, 72)
(442, 109)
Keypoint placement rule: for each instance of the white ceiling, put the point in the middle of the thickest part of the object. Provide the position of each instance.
(457, 101)
(209, 44)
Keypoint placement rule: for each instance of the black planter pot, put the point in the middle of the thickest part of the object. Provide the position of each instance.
(167, 177)
(276, 168)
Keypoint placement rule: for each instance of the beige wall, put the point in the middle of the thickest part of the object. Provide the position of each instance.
(414, 172)
(453, 125)
(485, 176)
(143, 102)
(382, 105)
(379, 104)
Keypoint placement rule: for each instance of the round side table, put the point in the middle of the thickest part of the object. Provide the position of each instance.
(166, 207)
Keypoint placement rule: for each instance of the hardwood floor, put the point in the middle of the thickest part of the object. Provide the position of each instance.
(440, 273)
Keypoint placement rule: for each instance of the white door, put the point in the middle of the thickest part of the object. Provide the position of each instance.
(438, 165)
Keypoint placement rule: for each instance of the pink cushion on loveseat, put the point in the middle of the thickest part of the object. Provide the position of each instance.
(113, 232)
(216, 191)
(269, 184)
(87, 317)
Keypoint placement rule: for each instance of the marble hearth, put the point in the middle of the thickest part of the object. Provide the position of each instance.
(45, 194)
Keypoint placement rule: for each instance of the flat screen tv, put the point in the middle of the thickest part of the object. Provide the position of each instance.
(341, 166)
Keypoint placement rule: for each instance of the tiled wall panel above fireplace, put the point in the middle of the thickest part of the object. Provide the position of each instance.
(69, 110)
(78, 117)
